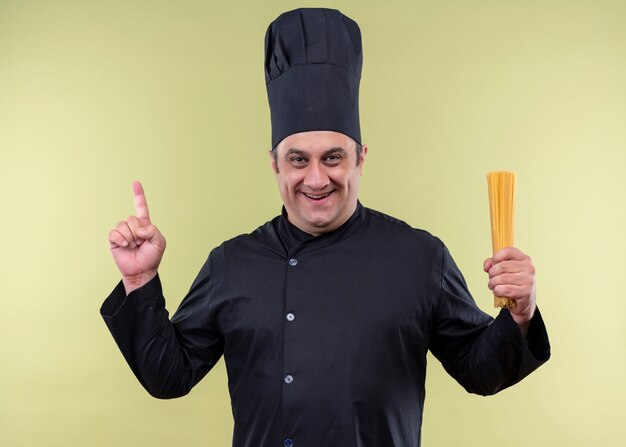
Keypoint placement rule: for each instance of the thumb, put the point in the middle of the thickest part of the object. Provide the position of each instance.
(152, 234)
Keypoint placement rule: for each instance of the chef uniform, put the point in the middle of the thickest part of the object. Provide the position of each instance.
(324, 337)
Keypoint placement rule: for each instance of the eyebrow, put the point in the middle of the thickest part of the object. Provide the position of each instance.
(327, 152)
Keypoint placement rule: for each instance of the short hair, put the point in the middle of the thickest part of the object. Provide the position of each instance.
(358, 149)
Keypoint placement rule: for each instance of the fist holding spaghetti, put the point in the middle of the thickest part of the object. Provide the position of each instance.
(511, 272)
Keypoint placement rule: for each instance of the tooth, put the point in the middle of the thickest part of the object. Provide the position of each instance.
(320, 196)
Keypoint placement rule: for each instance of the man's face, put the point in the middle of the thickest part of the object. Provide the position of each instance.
(318, 179)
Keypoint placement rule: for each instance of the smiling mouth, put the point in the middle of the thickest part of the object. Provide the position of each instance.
(317, 196)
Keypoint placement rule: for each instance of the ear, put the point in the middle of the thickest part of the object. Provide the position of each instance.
(363, 155)
(273, 161)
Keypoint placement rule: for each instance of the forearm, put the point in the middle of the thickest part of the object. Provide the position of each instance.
(141, 328)
(504, 354)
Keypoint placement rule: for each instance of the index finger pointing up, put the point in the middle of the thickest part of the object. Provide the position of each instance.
(141, 206)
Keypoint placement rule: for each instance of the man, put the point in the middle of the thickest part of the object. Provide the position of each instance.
(325, 314)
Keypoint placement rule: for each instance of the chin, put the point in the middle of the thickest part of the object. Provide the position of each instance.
(318, 224)
(311, 225)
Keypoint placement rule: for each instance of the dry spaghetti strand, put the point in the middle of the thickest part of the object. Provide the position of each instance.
(501, 206)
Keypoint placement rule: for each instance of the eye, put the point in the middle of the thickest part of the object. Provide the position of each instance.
(333, 159)
(297, 161)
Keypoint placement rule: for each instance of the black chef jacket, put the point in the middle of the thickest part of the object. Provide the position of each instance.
(324, 338)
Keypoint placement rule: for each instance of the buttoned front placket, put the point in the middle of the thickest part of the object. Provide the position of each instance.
(292, 368)
(301, 319)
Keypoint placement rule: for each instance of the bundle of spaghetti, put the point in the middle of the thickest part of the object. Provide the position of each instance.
(501, 205)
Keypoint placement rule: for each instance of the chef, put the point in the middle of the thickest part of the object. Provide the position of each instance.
(325, 314)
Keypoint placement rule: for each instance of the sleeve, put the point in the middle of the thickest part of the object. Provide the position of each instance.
(167, 357)
(483, 354)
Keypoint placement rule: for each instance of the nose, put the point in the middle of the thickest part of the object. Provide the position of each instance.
(316, 178)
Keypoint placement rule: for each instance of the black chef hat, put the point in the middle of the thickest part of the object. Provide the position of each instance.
(313, 61)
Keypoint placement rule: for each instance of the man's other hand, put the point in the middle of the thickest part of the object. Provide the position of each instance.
(512, 275)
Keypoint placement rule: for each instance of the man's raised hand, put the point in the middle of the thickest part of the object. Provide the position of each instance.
(137, 245)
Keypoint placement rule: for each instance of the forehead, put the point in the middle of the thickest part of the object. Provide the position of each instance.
(315, 141)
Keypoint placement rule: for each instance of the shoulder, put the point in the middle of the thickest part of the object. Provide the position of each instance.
(396, 229)
(262, 239)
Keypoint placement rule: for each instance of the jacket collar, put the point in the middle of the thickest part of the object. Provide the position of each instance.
(295, 240)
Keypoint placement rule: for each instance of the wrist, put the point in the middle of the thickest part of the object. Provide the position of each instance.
(136, 281)
(523, 319)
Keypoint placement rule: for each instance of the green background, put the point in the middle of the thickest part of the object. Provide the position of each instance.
(96, 94)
